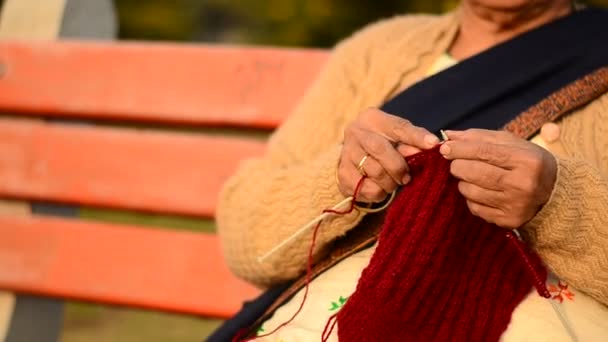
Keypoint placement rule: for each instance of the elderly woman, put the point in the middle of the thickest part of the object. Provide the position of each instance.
(552, 186)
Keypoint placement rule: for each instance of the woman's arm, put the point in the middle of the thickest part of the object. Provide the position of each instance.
(562, 202)
(272, 196)
(571, 231)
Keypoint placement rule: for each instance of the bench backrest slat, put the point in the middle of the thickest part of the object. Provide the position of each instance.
(74, 160)
(114, 264)
(164, 83)
(162, 172)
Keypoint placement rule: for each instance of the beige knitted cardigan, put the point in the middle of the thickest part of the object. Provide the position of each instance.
(270, 197)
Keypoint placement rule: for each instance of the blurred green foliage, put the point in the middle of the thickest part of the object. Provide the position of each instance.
(274, 22)
(307, 22)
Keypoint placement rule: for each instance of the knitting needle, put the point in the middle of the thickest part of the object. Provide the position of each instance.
(316, 220)
(304, 228)
(564, 320)
(444, 136)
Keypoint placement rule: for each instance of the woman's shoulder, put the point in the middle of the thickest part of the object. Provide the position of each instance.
(396, 29)
(401, 24)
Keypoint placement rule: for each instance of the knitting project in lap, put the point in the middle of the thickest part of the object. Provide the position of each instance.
(438, 273)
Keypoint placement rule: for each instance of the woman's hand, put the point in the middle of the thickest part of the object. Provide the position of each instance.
(505, 179)
(387, 140)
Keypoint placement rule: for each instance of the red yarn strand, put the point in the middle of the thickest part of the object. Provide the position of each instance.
(438, 272)
(539, 284)
(329, 327)
(309, 268)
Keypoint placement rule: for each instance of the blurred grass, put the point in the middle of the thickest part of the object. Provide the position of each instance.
(88, 322)
(147, 219)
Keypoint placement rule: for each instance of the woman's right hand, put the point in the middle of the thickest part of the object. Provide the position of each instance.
(386, 140)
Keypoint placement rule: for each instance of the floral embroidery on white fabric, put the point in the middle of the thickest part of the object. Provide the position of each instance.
(559, 290)
(335, 306)
(260, 330)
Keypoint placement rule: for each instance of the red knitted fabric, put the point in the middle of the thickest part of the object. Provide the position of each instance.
(438, 273)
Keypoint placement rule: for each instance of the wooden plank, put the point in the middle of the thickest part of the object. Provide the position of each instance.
(113, 264)
(24, 19)
(31, 19)
(14, 208)
(8, 299)
(19, 313)
(120, 168)
(7, 305)
(165, 83)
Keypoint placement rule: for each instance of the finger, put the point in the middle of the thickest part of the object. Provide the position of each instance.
(392, 163)
(397, 129)
(479, 173)
(349, 177)
(488, 214)
(503, 156)
(482, 135)
(477, 194)
(407, 150)
(377, 173)
(346, 178)
(371, 192)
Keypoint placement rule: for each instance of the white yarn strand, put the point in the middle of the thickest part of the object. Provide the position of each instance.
(304, 228)
(563, 319)
(556, 307)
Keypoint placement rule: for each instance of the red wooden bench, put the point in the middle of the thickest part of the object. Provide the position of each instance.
(51, 92)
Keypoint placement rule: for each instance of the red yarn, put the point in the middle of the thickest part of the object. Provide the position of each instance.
(329, 327)
(309, 263)
(438, 273)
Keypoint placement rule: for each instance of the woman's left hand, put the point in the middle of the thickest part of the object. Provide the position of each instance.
(505, 179)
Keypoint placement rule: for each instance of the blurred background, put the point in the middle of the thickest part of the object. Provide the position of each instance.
(311, 23)
(293, 23)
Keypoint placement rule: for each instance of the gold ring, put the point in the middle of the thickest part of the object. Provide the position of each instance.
(361, 164)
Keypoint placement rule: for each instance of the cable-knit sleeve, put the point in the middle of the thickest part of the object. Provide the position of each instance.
(271, 197)
(571, 231)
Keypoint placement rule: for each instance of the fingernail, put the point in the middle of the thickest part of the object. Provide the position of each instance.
(406, 179)
(431, 140)
(445, 149)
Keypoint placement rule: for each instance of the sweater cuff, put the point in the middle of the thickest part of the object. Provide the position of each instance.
(547, 229)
